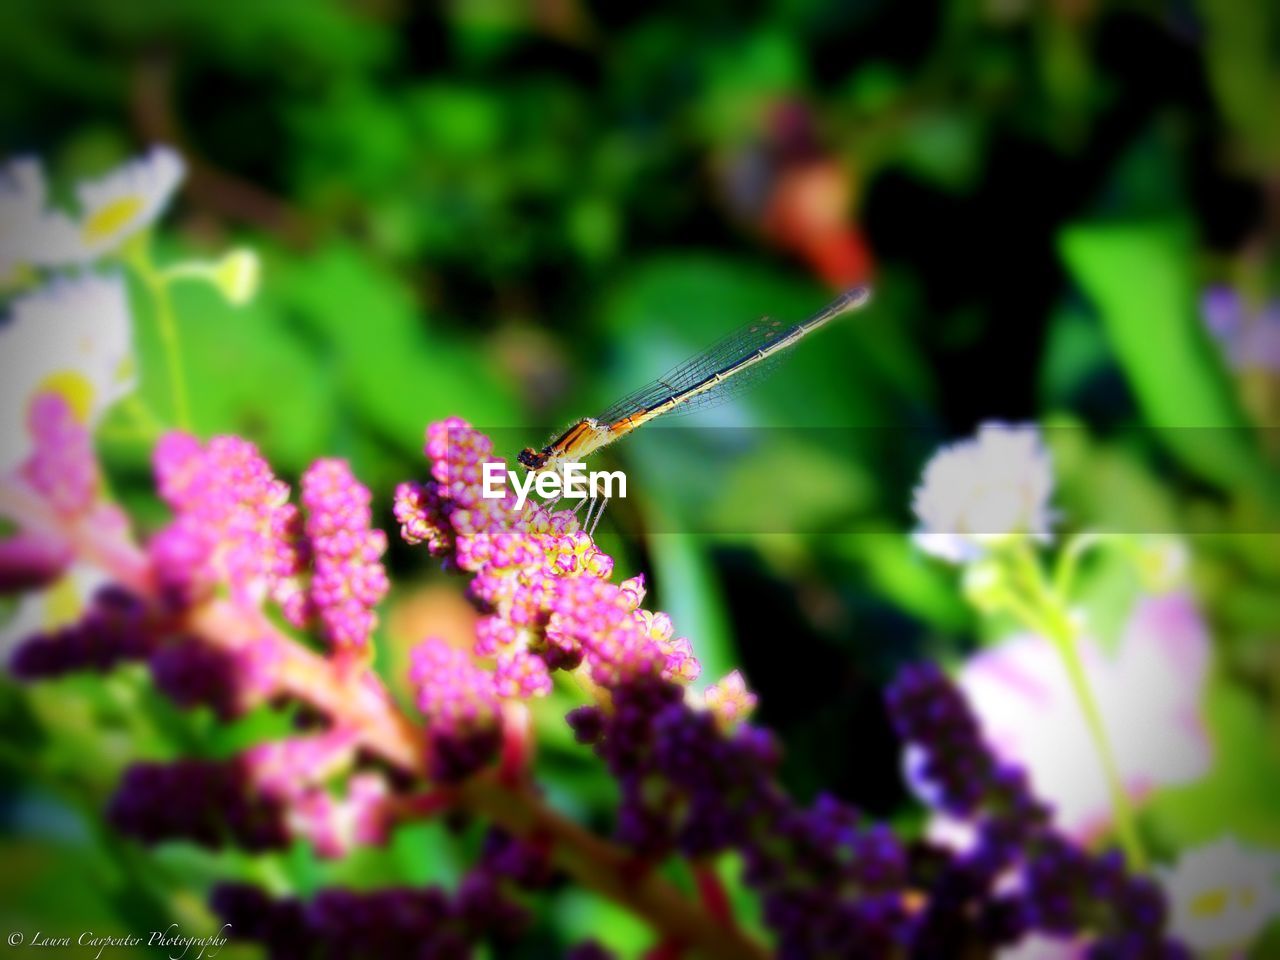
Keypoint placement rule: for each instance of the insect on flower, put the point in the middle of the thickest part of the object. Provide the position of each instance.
(722, 370)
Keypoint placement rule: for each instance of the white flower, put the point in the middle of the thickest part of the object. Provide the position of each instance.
(128, 199)
(30, 233)
(1221, 895)
(1038, 946)
(1161, 563)
(1148, 695)
(978, 492)
(112, 208)
(73, 336)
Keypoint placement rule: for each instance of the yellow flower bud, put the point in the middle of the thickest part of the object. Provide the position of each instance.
(237, 274)
(984, 585)
(1162, 563)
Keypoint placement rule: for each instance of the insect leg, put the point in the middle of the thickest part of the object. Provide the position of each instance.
(604, 502)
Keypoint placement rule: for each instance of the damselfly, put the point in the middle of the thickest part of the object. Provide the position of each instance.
(719, 372)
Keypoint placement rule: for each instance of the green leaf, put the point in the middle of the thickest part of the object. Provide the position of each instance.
(1239, 794)
(688, 592)
(1240, 53)
(394, 370)
(1139, 277)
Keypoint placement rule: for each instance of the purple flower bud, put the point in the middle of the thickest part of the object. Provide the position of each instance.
(115, 628)
(461, 705)
(29, 561)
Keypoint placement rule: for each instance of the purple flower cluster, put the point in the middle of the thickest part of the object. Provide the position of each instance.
(259, 800)
(231, 678)
(114, 629)
(204, 801)
(1019, 875)
(234, 525)
(118, 626)
(831, 885)
(460, 702)
(29, 561)
(424, 924)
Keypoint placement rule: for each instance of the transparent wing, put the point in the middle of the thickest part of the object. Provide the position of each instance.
(721, 355)
(742, 382)
(729, 355)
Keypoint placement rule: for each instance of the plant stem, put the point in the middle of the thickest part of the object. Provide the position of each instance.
(1126, 828)
(368, 710)
(385, 731)
(138, 256)
(143, 415)
(1073, 552)
(172, 351)
(1055, 622)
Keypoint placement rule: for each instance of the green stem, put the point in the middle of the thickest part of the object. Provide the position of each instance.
(143, 415)
(1069, 562)
(189, 270)
(172, 351)
(1126, 827)
(1056, 623)
(157, 285)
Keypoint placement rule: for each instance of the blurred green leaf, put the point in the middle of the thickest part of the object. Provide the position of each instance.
(1238, 796)
(1240, 46)
(894, 568)
(1140, 279)
(396, 370)
(686, 589)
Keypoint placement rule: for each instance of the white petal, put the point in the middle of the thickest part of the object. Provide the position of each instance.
(1222, 895)
(75, 329)
(150, 181)
(1149, 697)
(987, 488)
(30, 233)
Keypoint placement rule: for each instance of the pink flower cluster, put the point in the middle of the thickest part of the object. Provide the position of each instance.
(233, 522)
(295, 773)
(62, 467)
(541, 582)
(54, 496)
(452, 690)
(347, 579)
(234, 525)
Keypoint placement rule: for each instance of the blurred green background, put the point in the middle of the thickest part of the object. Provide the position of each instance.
(514, 212)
